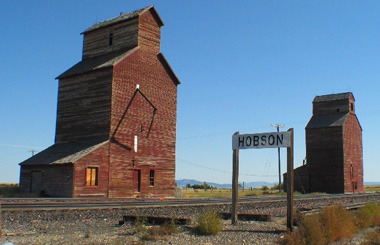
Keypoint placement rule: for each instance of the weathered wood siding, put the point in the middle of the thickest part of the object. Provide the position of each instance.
(334, 153)
(84, 104)
(124, 37)
(96, 105)
(337, 106)
(56, 180)
(324, 150)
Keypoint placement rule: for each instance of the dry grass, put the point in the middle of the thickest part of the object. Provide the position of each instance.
(335, 223)
(368, 216)
(372, 188)
(154, 233)
(373, 238)
(219, 193)
(338, 223)
(9, 190)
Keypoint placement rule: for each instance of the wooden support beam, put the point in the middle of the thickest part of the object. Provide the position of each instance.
(235, 185)
(290, 181)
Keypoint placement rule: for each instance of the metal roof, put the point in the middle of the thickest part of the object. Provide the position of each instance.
(329, 120)
(124, 17)
(95, 63)
(63, 153)
(331, 97)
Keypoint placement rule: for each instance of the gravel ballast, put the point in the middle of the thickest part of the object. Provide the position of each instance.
(101, 226)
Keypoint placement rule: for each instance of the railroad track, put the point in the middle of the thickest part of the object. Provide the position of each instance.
(16, 204)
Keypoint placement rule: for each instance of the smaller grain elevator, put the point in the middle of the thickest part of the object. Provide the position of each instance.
(334, 151)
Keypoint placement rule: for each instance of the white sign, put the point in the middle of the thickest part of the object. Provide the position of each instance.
(263, 140)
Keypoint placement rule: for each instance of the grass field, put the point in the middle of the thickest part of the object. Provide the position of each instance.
(372, 188)
(190, 193)
(12, 190)
(9, 190)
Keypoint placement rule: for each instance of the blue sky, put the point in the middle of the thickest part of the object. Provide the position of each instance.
(243, 66)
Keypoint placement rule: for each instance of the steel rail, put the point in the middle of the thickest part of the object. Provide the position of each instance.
(19, 204)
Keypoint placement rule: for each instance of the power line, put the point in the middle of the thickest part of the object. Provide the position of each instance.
(21, 146)
(225, 132)
(220, 170)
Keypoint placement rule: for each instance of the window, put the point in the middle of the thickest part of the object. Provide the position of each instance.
(91, 176)
(110, 39)
(352, 107)
(351, 171)
(151, 178)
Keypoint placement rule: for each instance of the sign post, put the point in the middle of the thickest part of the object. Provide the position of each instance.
(1, 222)
(259, 141)
(290, 184)
(235, 184)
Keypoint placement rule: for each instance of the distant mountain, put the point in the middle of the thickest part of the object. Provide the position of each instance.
(371, 183)
(184, 182)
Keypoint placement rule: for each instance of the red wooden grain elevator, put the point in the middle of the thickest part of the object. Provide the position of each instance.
(334, 151)
(116, 117)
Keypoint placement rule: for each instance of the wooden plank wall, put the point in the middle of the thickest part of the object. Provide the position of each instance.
(84, 104)
(324, 150)
(124, 37)
(57, 180)
(332, 107)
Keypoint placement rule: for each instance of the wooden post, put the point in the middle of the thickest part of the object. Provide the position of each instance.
(290, 181)
(235, 185)
(1, 222)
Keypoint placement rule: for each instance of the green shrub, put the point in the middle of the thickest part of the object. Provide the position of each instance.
(169, 228)
(153, 233)
(312, 230)
(140, 225)
(209, 223)
(276, 186)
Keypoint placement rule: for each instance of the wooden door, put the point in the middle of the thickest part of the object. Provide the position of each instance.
(36, 182)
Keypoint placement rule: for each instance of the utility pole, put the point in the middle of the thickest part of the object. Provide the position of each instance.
(33, 152)
(278, 126)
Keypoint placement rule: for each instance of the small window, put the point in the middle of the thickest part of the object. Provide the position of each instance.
(352, 107)
(352, 171)
(151, 178)
(110, 39)
(91, 176)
